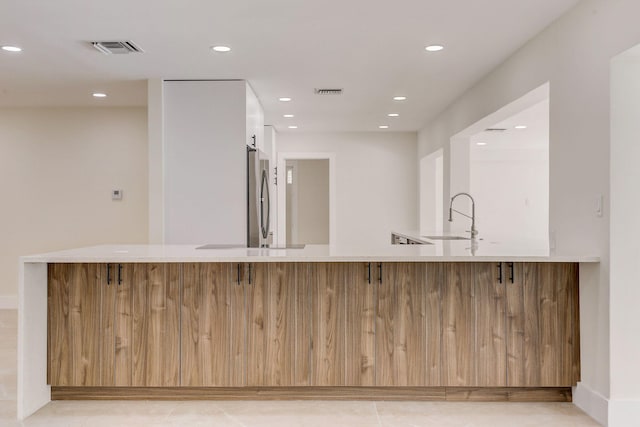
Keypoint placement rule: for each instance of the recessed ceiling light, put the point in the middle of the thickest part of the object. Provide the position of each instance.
(12, 48)
(284, 99)
(383, 127)
(221, 48)
(399, 98)
(393, 114)
(293, 127)
(481, 143)
(99, 95)
(288, 116)
(521, 127)
(434, 48)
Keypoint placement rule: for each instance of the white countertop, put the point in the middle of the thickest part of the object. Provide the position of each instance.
(440, 251)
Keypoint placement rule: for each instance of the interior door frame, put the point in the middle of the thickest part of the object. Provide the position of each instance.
(281, 195)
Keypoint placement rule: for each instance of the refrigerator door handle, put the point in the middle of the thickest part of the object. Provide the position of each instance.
(264, 196)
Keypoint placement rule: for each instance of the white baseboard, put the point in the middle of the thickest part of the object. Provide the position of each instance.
(624, 413)
(593, 403)
(8, 302)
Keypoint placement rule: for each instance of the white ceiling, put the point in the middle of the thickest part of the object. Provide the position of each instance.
(535, 136)
(373, 49)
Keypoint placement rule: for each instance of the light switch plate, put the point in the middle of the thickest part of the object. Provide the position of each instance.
(116, 194)
(599, 205)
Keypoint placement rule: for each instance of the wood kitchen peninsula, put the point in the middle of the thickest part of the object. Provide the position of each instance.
(410, 322)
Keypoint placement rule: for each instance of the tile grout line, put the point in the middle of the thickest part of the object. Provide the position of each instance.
(375, 409)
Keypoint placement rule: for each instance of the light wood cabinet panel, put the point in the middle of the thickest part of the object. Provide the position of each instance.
(543, 326)
(314, 325)
(108, 326)
(74, 323)
(433, 274)
(401, 347)
(206, 324)
(123, 326)
(491, 345)
(289, 327)
(238, 308)
(147, 312)
(257, 301)
(459, 325)
(328, 362)
(360, 337)
(156, 327)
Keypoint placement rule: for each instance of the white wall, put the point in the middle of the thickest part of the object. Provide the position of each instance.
(57, 169)
(375, 181)
(509, 177)
(573, 54)
(625, 231)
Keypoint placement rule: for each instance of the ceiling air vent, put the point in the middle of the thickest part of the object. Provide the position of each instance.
(327, 91)
(495, 130)
(117, 47)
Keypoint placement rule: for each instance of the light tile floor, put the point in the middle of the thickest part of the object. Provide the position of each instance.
(264, 414)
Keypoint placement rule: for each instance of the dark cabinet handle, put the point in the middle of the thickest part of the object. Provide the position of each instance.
(380, 273)
(499, 272)
(369, 273)
(238, 275)
(119, 274)
(511, 272)
(250, 273)
(108, 274)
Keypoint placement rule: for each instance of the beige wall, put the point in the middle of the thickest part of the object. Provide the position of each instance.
(308, 223)
(57, 169)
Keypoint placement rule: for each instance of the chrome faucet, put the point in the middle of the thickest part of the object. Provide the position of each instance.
(474, 232)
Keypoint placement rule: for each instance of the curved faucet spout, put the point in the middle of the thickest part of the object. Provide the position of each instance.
(474, 232)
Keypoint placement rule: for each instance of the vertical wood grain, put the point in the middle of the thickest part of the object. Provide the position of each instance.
(123, 365)
(574, 279)
(385, 323)
(206, 324)
(172, 324)
(257, 296)
(491, 346)
(409, 329)
(107, 328)
(85, 324)
(328, 323)
(433, 282)
(281, 323)
(565, 277)
(156, 339)
(531, 306)
(458, 316)
(550, 331)
(516, 329)
(75, 320)
(59, 341)
(238, 356)
(360, 328)
(189, 312)
(303, 322)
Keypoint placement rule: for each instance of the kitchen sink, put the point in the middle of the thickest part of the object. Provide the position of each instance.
(446, 237)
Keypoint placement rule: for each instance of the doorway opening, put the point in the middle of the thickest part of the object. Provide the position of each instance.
(307, 197)
(306, 191)
(431, 195)
(503, 162)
